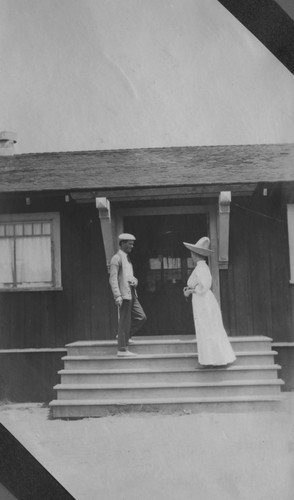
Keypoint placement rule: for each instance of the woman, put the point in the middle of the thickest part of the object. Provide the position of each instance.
(214, 348)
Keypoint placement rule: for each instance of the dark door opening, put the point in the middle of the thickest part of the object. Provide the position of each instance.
(162, 265)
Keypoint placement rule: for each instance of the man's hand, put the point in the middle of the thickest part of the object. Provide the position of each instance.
(118, 301)
(133, 282)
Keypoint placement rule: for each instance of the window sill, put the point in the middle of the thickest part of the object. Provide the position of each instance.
(43, 289)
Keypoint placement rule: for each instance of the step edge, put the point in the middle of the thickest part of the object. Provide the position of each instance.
(139, 402)
(166, 355)
(152, 372)
(111, 343)
(176, 341)
(175, 385)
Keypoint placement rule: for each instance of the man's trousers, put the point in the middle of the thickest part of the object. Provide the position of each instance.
(131, 319)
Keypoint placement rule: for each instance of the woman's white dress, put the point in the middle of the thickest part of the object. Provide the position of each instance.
(213, 344)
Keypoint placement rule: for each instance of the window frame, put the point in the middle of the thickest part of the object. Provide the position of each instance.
(54, 219)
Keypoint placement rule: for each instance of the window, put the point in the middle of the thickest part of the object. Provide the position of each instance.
(30, 251)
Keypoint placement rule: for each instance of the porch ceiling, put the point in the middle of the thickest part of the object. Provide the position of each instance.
(200, 167)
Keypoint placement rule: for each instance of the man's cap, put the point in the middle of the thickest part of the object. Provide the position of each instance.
(126, 237)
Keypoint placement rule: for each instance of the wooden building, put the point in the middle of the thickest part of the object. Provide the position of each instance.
(60, 214)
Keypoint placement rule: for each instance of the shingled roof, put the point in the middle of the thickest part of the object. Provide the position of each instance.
(129, 168)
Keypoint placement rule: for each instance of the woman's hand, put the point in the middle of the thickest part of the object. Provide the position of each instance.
(187, 291)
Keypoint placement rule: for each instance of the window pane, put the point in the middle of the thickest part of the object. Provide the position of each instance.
(33, 260)
(190, 263)
(18, 229)
(6, 260)
(28, 258)
(28, 229)
(46, 228)
(37, 227)
(9, 230)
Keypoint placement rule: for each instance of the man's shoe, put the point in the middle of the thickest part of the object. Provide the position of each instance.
(125, 354)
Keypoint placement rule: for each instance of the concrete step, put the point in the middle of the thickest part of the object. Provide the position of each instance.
(165, 377)
(98, 408)
(166, 390)
(159, 361)
(253, 372)
(166, 345)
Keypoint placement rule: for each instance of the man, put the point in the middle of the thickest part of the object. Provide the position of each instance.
(123, 285)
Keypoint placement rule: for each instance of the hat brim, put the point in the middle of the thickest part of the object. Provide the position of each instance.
(198, 250)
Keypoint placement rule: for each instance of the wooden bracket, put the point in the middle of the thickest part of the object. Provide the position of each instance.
(224, 228)
(103, 206)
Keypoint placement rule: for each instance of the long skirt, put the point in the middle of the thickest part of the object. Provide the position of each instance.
(213, 345)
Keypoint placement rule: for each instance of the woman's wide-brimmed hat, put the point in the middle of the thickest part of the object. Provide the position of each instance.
(201, 247)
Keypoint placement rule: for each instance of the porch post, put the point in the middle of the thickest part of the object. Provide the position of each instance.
(290, 221)
(103, 206)
(223, 228)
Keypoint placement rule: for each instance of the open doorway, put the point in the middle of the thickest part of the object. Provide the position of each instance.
(162, 265)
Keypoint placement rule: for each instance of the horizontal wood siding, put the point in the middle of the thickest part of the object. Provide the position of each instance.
(256, 296)
(29, 376)
(83, 309)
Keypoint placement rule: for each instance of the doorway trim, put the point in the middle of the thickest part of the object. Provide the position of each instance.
(210, 210)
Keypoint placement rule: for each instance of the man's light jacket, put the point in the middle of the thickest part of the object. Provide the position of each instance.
(121, 273)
